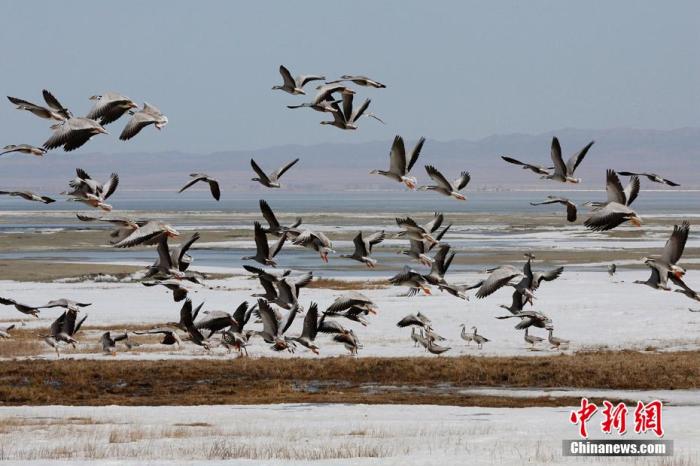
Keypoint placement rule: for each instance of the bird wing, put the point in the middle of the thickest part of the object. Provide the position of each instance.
(673, 250)
(287, 77)
(435, 223)
(397, 157)
(111, 186)
(438, 177)
(605, 219)
(214, 188)
(269, 319)
(360, 248)
(462, 181)
(53, 102)
(571, 211)
(280, 171)
(184, 247)
(374, 239)
(269, 215)
(261, 241)
(415, 153)
(142, 235)
(497, 279)
(576, 159)
(310, 329)
(358, 112)
(191, 182)
(548, 276)
(614, 188)
(303, 79)
(34, 108)
(135, 124)
(278, 245)
(263, 176)
(186, 318)
(632, 190)
(164, 253)
(559, 166)
(239, 315)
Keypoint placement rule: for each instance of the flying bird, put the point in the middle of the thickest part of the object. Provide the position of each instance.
(400, 165)
(109, 107)
(564, 172)
(359, 80)
(23, 149)
(651, 177)
(148, 115)
(263, 254)
(292, 85)
(666, 266)
(570, 206)
(271, 180)
(347, 117)
(213, 184)
(29, 196)
(540, 170)
(615, 211)
(54, 111)
(445, 187)
(73, 133)
(363, 248)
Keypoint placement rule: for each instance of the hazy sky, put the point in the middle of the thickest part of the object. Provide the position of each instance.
(453, 69)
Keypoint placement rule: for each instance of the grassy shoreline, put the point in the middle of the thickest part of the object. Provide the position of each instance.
(337, 380)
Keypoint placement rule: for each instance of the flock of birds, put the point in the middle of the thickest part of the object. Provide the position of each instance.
(279, 303)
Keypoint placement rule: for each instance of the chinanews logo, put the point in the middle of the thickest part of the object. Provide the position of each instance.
(647, 418)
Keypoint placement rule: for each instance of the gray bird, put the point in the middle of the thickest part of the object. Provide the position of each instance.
(109, 342)
(570, 206)
(444, 187)
(54, 111)
(666, 266)
(615, 211)
(347, 117)
(109, 107)
(363, 248)
(540, 170)
(564, 172)
(274, 227)
(292, 85)
(23, 149)
(263, 254)
(23, 308)
(271, 180)
(213, 184)
(359, 80)
(399, 164)
(29, 196)
(651, 177)
(63, 330)
(148, 115)
(73, 133)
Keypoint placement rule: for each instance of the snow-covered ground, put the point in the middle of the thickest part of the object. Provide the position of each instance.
(304, 434)
(587, 308)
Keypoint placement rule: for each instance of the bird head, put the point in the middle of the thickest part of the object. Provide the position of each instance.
(636, 221)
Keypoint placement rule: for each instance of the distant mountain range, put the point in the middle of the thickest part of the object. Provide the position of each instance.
(333, 167)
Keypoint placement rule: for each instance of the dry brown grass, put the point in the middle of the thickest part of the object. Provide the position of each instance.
(341, 379)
